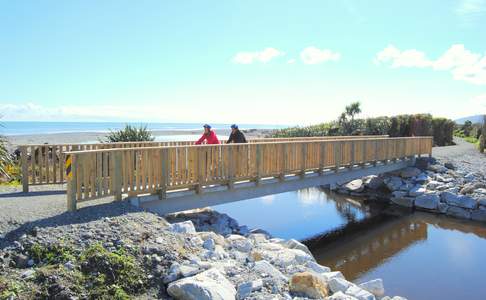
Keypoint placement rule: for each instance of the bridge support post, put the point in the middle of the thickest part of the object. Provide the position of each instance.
(72, 184)
(164, 160)
(201, 158)
(25, 169)
(231, 162)
(320, 171)
(304, 159)
(281, 176)
(337, 155)
(117, 175)
(258, 161)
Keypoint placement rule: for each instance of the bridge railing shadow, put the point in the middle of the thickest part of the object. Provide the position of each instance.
(82, 215)
(32, 194)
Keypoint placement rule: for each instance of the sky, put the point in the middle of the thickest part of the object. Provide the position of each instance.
(260, 62)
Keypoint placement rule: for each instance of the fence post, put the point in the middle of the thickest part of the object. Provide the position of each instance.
(304, 159)
(25, 169)
(337, 155)
(281, 176)
(164, 156)
(200, 166)
(321, 157)
(71, 177)
(231, 162)
(258, 164)
(353, 155)
(117, 175)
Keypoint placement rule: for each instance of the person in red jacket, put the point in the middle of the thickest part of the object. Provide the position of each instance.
(208, 135)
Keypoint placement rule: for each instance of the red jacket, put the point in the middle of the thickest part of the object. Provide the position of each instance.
(211, 138)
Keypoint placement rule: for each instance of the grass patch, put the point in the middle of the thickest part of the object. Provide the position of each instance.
(114, 274)
(13, 183)
(98, 274)
(10, 289)
(53, 254)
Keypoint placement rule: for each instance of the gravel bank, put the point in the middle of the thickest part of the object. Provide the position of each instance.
(463, 155)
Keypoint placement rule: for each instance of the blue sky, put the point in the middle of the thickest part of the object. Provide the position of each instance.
(275, 62)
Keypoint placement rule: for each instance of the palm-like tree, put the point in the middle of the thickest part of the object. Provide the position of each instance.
(350, 111)
(353, 109)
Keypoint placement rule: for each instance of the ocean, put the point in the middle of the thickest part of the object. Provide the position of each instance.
(10, 128)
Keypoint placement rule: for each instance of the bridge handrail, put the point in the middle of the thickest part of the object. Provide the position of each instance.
(45, 164)
(156, 170)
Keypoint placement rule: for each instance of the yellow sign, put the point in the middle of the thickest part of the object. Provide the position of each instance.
(69, 173)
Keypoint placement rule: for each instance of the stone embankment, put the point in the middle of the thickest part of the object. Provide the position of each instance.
(430, 185)
(193, 255)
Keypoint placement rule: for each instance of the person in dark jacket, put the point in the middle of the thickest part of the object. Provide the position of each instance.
(236, 135)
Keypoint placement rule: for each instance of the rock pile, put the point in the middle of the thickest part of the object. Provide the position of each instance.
(431, 186)
(142, 254)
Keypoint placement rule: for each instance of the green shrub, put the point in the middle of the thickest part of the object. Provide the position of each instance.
(5, 158)
(397, 126)
(442, 131)
(130, 134)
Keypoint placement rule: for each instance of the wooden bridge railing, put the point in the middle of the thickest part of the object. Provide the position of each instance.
(150, 170)
(44, 163)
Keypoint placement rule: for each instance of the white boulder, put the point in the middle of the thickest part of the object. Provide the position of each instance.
(208, 285)
(359, 293)
(183, 227)
(374, 286)
(337, 284)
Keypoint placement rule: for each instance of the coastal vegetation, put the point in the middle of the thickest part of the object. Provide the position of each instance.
(9, 169)
(397, 126)
(130, 134)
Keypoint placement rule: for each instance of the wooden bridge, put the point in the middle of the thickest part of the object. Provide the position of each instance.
(173, 178)
(44, 163)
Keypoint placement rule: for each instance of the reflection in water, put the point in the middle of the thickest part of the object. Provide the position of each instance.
(298, 214)
(436, 253)
(364, 245)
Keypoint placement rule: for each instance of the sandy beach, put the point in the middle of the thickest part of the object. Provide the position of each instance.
(94, 137)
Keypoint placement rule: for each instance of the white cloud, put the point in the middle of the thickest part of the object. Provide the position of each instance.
(312, 55)
(397, 58)
(263, 56)
(31, 111)
(291, 61)
(461, 63)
